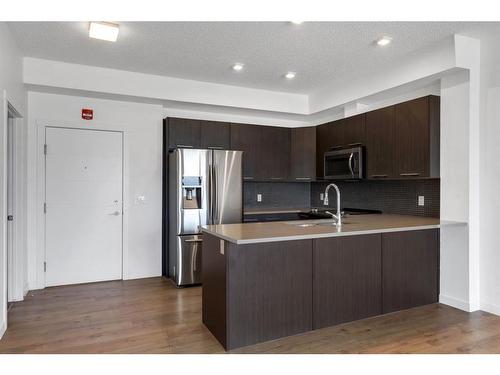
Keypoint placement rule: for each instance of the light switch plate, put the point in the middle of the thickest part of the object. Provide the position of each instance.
(221, 247)
(259, 197)
(421, 200)
(140, 199)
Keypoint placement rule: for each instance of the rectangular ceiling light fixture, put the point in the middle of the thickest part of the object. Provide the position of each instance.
(104, 31)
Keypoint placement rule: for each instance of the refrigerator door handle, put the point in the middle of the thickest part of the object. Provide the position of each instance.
(210, 191)
(215, 202)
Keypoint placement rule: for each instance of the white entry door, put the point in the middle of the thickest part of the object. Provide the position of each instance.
(83, 220)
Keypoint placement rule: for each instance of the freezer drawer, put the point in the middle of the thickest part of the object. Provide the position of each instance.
(188, 266)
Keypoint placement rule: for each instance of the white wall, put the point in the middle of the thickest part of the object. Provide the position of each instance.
(142, 127)
(11, 89)
(454, 288)
(490, 207)
(490, 177)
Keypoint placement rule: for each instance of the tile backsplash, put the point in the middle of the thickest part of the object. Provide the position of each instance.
(391, 196)
(277, 195)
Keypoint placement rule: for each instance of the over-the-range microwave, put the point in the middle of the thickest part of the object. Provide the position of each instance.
(344, 164)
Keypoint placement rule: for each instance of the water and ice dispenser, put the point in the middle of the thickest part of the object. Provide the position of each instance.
(191, 192)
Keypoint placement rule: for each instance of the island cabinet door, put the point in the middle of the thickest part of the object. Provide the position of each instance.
(347, 279)
(410, 269)
(268, 291)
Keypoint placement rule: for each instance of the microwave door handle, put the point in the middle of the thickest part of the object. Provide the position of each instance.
(350, 164)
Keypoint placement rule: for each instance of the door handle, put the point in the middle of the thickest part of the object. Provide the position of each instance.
(350, 164)
(116, 213)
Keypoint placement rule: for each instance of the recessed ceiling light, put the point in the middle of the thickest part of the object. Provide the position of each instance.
(238, 67)
(297, 22)
(290, 75)
(104, 31)
(384, 41)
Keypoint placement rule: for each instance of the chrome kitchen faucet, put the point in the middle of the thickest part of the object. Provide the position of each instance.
(338, 216)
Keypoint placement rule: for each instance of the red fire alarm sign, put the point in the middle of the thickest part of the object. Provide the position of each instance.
(87, 113)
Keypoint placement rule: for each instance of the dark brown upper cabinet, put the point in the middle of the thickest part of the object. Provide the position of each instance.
(215, 135)
(325, 140)
(274, 153)
(266, 151)
(417, 136)
(183, 133)
(247, 138)
(352, 131)
(410, 269)
(381, 143)
(303, 153)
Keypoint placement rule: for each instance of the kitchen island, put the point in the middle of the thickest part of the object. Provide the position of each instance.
(263, 281)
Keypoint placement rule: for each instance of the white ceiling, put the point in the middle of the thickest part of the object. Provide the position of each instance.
(320, 52)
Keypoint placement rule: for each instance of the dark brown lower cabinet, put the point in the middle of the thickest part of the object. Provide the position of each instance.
(256, 292)
(410, 269)
(263, 291)
(269, 291)
(346, 279)
(214, 288)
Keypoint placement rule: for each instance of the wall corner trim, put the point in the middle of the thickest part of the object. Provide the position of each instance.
(455, 302)
(490, 308)
(3, 328)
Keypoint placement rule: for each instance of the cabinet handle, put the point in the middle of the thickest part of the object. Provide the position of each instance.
(409, 174)
(378, 176)
(190, 241)
(248, 178)
(214, 147)
(276, 178)
(184, 146)
(303, 178)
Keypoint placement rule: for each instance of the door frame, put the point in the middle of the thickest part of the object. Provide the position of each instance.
(15, 270)
(41, 126)
(16, 255)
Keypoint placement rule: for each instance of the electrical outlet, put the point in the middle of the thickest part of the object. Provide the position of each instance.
(421, 200)
(321, 196)
(221, 247)
(259, 197)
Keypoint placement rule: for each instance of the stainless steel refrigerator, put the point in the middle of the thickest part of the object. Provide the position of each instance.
(205, 187)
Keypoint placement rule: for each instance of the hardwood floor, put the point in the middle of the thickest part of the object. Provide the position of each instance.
(152, 316)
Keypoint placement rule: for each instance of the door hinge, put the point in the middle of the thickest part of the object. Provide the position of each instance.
(45, 208)
(45, 149)
(44, 266)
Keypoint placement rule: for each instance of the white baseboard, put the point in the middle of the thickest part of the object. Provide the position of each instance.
(3, 328)
(454, 302)
(490, 308)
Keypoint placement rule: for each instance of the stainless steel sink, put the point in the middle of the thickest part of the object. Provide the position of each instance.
(313, 223)
(305, 225)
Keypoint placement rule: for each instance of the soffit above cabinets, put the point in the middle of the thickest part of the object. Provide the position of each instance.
(319, 52)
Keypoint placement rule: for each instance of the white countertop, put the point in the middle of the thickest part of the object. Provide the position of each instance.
(246, 233)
